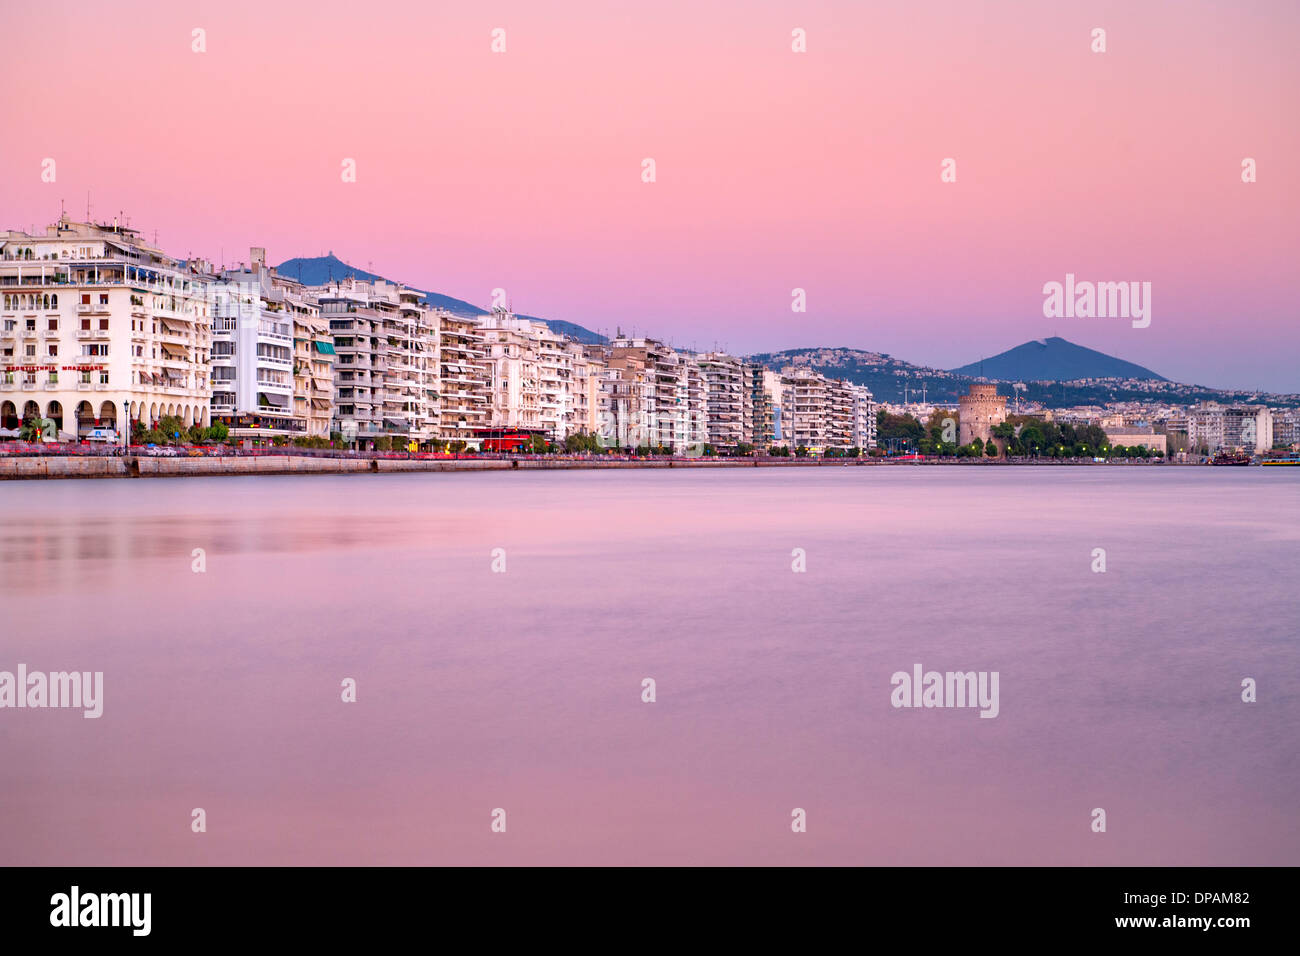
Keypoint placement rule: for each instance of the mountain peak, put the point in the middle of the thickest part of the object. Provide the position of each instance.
(1054, 359)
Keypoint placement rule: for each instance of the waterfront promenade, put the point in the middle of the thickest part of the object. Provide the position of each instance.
(174, 463)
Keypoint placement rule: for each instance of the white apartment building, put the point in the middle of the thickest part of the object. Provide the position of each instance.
(386, 362)
(463, 378)
(539, 379)
(725, 403)
(512, 360)
(864, 418)
(313, 360)
(253, 352)
(1216, 427)
(98, 329)
(806, 402)
(670, 388)
(589, 409)
(411, 407)
(767, 392)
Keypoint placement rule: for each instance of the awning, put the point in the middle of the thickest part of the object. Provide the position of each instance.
(396, 424)
(320, 403)
(266, 398)
(325, 348)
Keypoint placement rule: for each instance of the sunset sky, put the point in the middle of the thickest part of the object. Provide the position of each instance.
(775, 169)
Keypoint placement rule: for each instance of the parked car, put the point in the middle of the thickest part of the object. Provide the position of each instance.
(102, 434)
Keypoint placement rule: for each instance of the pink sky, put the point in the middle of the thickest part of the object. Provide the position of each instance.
(775, 170)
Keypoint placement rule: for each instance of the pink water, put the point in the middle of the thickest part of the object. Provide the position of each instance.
(522, 690)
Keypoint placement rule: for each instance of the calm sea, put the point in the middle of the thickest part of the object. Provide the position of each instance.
(522, 690)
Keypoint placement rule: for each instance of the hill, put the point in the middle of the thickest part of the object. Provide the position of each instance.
(1054, 360)
(895, 380)
(318, 270)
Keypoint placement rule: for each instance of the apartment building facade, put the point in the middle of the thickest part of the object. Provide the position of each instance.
(99, 329)
(253, 353)
(670, 389)
(1212, 427)
(464, 396)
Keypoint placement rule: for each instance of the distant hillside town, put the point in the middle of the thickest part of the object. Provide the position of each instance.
(103, 336)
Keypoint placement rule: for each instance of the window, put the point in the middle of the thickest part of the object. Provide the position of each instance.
(53, 325)
(103, 298)
(54, 378)
(31, 351)
(85, 298)
(103, 325)
(85, 325)
(54, 351)
(103, 377)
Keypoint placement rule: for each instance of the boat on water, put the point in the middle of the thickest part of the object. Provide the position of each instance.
(1230, 458)
(1289, 460)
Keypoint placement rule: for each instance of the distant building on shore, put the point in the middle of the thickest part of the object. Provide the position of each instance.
(980, 409)
(1212, 427)
(1133, 437)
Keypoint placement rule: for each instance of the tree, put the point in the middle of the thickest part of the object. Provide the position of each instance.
(218, 432)
(170, 426)
(991, 449)
(581, 442)
(31, 429)
(1031, 439)
(900, 427)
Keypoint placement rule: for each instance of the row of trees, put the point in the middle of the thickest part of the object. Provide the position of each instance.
(1020, 436)
(170, 430)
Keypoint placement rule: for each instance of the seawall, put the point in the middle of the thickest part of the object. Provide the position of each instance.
(144, 466)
